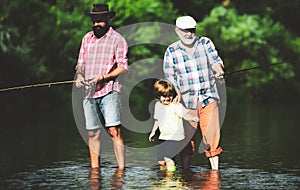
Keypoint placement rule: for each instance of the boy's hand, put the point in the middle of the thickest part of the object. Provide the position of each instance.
(151, 137)
(195, 119)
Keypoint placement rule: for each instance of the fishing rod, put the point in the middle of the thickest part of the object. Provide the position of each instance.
(49, 84)
(251, 68)
(225, 74)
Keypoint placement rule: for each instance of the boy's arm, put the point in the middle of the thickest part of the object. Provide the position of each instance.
(155, 127)
(183, 112)
(188, 117)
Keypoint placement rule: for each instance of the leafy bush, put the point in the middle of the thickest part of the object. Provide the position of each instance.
(246, 41)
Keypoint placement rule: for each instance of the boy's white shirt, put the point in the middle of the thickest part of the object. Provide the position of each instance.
(169, 119)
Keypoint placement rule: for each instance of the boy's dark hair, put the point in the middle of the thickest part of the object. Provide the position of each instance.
(164, 88)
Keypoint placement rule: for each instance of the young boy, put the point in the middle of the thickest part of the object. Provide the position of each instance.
(168, 118)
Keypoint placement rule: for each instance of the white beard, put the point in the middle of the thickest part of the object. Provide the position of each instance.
(187, 40)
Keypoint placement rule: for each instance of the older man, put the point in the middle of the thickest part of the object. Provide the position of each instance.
(192, 64)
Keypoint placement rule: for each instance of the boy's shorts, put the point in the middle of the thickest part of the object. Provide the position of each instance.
(106, 109)
(169, 149)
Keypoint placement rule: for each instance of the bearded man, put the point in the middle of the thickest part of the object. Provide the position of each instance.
(102, 58)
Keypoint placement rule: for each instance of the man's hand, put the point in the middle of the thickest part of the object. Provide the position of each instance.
(177, 99)
(95, 80)
(79, 81)
(219, 75)
(219, 72)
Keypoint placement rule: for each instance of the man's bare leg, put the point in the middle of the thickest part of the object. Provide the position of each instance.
(94, 148)
(118, 142)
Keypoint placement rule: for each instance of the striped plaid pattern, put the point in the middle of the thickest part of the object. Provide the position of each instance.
(192, 74)
(100, 56)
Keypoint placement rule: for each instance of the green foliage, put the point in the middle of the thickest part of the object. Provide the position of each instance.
(39, 40)
(17, 42)
(43, 38)
(284, 12)
(246, 41)
(132, 11)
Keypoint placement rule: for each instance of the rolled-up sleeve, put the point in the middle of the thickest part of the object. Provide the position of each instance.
(121, 53)
(212, 53)
(82, 51)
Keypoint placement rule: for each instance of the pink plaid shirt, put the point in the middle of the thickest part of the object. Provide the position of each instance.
(99, 56)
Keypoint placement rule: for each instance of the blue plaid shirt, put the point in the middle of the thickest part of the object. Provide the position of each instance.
(192, 75)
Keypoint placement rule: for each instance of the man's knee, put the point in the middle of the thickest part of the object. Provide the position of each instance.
(94, 134)
(114, 132)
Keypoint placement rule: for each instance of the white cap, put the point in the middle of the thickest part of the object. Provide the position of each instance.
(186, 22)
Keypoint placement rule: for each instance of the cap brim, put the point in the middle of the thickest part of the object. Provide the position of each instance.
(186, 28)
(109, 14)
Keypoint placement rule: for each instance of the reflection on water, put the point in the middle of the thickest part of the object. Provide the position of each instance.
(75, 176)
(206, 180)
(118, 179)
(95, 179)
(259, 143)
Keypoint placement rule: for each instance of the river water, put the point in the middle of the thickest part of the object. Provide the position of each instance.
(41, 148)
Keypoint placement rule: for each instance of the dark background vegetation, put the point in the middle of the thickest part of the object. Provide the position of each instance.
(39, 42)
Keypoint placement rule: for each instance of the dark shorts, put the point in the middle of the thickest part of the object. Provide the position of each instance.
(169, 148)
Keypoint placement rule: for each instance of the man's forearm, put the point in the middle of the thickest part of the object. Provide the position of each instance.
(218, 68)
(115, 73)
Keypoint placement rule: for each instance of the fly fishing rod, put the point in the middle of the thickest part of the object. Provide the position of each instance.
(49, 84)
(228, 73)
(251, 68)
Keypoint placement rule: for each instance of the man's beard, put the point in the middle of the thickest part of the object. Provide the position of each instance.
(99, 31)
(187, 40)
